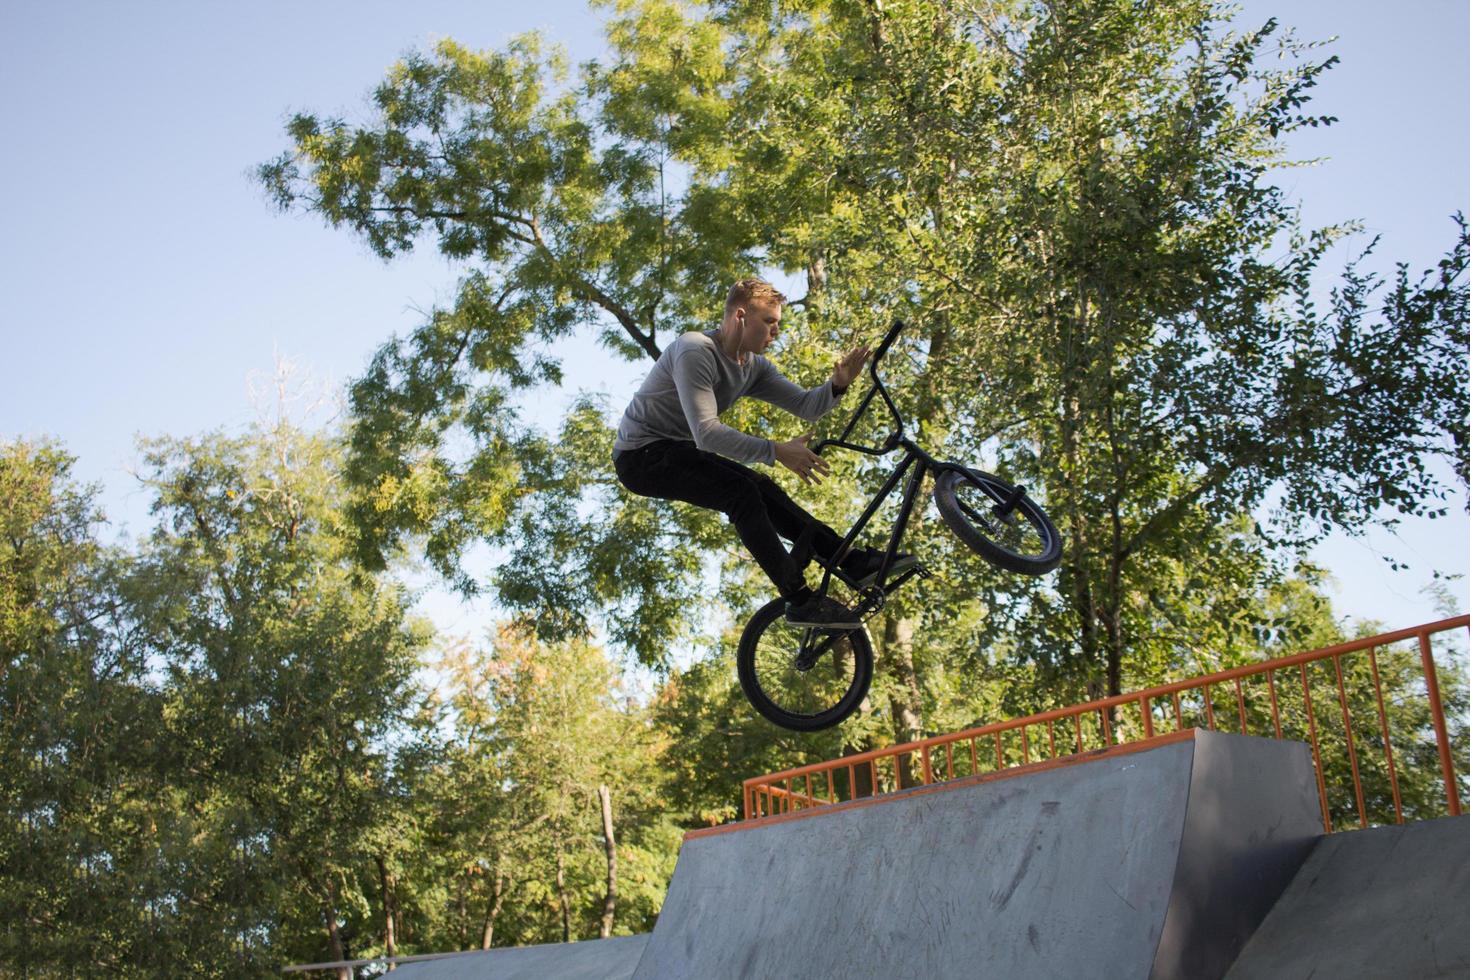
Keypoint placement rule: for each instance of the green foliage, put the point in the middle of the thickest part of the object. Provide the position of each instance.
(1113, 303)
(217, 758)
(202, 733)
(214, 754)
(289, 682)
(517, 825)
(1080, 227)
(78, 820)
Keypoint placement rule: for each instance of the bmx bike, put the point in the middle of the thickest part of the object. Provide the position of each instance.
(809, 679)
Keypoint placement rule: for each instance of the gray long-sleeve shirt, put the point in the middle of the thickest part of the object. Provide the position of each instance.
(694, 381)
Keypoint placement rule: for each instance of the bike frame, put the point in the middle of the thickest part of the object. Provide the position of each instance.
(916, 463)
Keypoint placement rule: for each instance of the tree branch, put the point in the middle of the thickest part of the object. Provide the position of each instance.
(594, 293)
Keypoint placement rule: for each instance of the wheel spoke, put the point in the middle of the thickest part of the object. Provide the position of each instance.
(804, 692)
(1013, 532)
(838, 672)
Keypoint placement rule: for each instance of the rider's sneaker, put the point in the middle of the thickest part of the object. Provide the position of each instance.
(862, 567)
(821, 612)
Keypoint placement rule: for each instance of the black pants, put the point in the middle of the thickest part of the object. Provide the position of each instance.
(760, 510)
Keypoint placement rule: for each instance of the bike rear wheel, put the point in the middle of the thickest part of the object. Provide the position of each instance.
(802, 679)
(1019, 539)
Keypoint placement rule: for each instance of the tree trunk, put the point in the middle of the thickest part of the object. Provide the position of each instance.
(1071, 336)
(497, 898)
(610, 903)
(390, 944)
(906, 702)
(334, 934)
(461, 883)
(816, 283)
(563, 897)
(1113, 604)
(862, 774)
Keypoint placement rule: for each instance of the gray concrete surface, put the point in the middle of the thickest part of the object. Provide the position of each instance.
(597, 959)
(1084, 870)
(1251, 819)
(1391, 902)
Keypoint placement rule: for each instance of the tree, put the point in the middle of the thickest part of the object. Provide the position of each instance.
(549, 826)
(1078, 202)
(287, 688)
(1074, 204)
(80, 890)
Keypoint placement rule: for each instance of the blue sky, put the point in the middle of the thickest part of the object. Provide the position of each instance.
(145, 276)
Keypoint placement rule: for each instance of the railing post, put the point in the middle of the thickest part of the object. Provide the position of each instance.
(1436, 707)
(1275, 711)
(1316, 751)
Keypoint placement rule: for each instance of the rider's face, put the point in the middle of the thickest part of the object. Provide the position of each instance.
(761, 325)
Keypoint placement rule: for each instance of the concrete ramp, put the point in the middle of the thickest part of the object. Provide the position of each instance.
(595, 959)
(1369, 904)
(1154, 860)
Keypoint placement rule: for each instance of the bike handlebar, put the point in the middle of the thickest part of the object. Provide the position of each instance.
(877, 390)
(887, 342)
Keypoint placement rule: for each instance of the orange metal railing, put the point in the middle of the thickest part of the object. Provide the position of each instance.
(1386, 754)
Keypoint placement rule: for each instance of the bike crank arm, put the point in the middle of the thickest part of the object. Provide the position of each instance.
(815, 643)
(874, 598)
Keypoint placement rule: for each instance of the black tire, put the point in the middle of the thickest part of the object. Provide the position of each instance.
(1025, 541)
(802, 700)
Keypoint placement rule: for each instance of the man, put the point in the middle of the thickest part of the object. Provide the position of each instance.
(671, 444)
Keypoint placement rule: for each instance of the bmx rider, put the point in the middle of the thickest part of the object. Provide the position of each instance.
(671, 445)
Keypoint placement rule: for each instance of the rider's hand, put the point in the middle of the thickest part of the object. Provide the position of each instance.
(796, 457)
(848, 367)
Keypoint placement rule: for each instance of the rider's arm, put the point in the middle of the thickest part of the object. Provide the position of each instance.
(694, 379)
(772, 386)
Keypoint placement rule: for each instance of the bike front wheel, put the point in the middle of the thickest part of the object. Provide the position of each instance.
(800, 678)
(1007, 529)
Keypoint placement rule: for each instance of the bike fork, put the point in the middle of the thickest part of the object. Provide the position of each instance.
(1004, 508)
